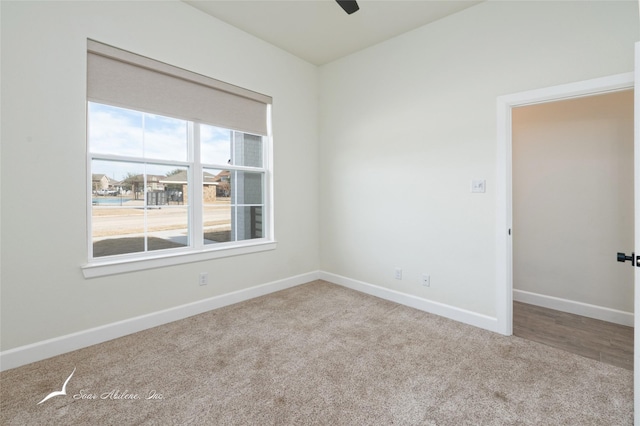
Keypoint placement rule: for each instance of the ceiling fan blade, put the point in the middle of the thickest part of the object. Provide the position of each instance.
(349, 6)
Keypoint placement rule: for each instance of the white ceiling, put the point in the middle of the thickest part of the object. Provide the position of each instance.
(319, 31)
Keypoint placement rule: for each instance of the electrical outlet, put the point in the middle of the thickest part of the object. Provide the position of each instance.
(204, 278)
(426, 280)
(398, 273)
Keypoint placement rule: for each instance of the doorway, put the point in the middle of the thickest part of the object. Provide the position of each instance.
(573, 205)
(572, 211)
(504, 188)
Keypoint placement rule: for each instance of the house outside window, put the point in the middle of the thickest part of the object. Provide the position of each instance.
(168, 178)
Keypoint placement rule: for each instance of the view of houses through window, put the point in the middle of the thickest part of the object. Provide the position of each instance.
(163, 183)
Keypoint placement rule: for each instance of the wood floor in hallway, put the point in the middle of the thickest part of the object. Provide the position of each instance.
(600, 340)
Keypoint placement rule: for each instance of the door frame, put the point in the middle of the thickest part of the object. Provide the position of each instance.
(504, 187)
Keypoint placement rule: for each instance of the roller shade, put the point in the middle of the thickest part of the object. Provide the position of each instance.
(120, 78)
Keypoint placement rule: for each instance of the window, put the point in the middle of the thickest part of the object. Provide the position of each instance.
(178, 164)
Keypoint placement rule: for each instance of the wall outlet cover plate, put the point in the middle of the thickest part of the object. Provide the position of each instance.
(478, 185)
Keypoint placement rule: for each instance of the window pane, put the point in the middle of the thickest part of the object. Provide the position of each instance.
(248, 221)
(247, 187)
(217, 206)
(167, 207)
(114, 130)
(165, 138)
(117, 215)
(215, 145)
(247, 150)
(166, 185)
(167, 227)
(111, 178)
(172, 181)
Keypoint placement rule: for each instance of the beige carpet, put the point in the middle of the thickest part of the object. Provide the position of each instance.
(319, 354)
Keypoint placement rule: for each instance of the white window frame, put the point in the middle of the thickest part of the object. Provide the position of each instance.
(196, 251)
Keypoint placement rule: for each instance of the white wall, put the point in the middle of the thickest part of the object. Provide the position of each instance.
(573, 199)
(44, 230)
(407, 124)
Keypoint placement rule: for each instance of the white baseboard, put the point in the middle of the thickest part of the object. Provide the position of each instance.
(441, 309)
(38, 351)
(27, 354)
(573, 307)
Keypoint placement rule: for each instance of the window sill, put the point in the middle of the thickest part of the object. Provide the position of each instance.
(121, 266)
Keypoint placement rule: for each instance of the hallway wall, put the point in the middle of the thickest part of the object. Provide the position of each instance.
(573, 199)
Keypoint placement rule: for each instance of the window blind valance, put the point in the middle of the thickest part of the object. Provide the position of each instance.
(127, 80)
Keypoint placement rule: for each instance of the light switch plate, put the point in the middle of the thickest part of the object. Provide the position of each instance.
(478, 185)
